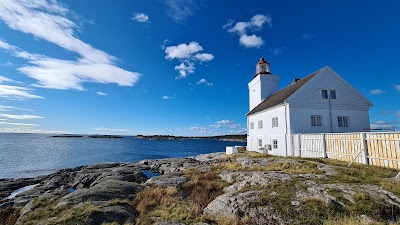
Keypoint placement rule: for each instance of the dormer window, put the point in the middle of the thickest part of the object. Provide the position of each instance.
(328, 94)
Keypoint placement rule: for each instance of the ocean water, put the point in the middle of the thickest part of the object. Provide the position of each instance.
(30, 155)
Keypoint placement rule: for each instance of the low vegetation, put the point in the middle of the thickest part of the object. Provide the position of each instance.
(185, 203)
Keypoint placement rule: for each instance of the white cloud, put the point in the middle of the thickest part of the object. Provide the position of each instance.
(252, 41)
(203, 57)
(187, 54)
(184, 69)
(204, 82)
(225, 123)
(256, 23)
(30, 130)
(183, 51)
(111, 129)
(48, 20)
(308, 36)
(141, 18)
(397, 87)
(376, 92)
(7, 108)
(4, 79)
(201, 130)
(19, 124)
(181, 10)
(17, 93)
(384, 125)
(101, 93)
(166, 97)
(239, 131)
(20, 117)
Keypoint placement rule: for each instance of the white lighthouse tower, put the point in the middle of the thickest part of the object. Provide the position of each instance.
(263, 85)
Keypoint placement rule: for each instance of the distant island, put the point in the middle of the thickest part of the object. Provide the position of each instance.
(81, 136)
(232, 138)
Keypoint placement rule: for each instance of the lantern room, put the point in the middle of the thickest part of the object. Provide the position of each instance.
(262, 67)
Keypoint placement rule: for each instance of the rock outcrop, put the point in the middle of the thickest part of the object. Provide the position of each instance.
(251, 190)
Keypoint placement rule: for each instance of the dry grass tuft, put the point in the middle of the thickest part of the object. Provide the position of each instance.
(151, 198)
(202, 189)
(9, 215)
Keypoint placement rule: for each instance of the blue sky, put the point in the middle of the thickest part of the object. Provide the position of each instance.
(182, 67)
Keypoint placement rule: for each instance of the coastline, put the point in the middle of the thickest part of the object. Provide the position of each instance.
(213, 187)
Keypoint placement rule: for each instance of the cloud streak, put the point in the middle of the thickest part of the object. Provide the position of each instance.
(17, 93)
(7, 108)
(47, 20)
(376, 92)
(20, 117)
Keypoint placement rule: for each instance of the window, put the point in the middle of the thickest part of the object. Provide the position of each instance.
(275, 122)
(260, 143)
(251, 126)
(324, 94)
(274, 143)
(316, 121)
(260, 124)
(332, 94)
(343, 121)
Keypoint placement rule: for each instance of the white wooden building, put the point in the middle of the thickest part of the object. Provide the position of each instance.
(322, 102)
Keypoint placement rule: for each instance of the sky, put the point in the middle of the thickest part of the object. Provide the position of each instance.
(181, 67)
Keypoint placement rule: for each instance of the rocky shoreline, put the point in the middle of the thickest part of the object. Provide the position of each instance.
(247, 188)
(229, 138)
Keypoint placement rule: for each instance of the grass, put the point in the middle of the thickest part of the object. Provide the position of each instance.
(184, 204)
(9, 215)
(45, 210)
(392, 185)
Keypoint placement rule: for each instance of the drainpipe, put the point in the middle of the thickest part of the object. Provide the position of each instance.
(286, 130)
(330, 111)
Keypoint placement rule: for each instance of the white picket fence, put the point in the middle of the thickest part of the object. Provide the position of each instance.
(380, 149)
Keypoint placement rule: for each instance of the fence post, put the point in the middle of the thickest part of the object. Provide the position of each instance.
(324, 146)
(299, 145)
(364, 149)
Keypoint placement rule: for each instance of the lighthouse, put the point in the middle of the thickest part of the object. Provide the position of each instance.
(263, 84)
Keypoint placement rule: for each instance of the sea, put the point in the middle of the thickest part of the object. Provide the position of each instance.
(31, 155)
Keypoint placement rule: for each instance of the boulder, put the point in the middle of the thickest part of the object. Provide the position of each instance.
(104, 191)
(229, 204)
(170, 179)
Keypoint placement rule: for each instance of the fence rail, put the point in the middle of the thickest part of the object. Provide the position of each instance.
(380, 149)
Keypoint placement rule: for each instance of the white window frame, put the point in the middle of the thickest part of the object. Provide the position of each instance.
(260, 124)
(275, 122)
(316, 120)
(274, 143)
(328, 94)
(251, 125)
(260, 143)
(343, 121)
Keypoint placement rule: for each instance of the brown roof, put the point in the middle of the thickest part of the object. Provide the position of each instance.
(281, 95)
